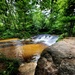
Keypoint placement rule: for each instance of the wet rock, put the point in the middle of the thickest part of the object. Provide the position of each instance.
(27, 41)
(58, 59)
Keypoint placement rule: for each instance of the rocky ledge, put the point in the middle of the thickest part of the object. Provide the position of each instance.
(58, 59)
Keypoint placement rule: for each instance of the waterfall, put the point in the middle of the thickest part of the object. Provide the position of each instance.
(45, 39)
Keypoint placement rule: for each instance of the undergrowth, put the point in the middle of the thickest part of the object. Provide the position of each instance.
(8, 66)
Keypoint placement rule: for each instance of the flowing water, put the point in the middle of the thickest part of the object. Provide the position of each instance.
(16, 48)
(45, 39)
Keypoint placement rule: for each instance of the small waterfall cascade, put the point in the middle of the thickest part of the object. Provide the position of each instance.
(45, 39)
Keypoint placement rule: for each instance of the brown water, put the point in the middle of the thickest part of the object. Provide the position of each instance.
(14, 48)
(7, 40)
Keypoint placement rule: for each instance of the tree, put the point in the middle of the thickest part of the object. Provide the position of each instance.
(65, 18)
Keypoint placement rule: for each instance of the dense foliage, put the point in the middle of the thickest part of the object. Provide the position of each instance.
(24, 18)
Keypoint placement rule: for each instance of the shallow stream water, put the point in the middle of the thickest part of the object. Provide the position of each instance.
(16, 48)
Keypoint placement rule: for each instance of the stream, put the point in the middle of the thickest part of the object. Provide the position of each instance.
(22, 49)
(45, 39)
(16, 48)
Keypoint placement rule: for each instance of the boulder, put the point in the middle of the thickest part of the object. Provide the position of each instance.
(27, 68)
(58, 59)
(45, 65)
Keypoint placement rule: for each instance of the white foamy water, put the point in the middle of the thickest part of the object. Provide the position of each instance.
(45, 38)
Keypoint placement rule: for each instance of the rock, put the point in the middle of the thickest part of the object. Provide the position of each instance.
(45, 65)
(27, 68)
(58, 59)
(27, 41)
